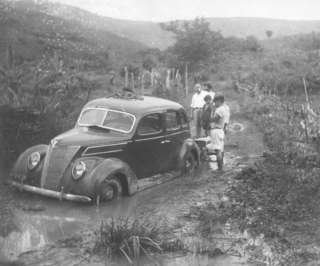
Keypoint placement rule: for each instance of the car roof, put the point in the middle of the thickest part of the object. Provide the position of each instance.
(134, 106)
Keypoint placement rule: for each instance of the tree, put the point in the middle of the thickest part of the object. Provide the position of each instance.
(150, 58)
(252, 44)
(269, 33)
(195, 41)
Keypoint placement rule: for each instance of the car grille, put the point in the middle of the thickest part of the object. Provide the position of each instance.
(56, 162)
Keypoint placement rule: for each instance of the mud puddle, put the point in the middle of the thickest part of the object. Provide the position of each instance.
(201, 260)
(169, 201)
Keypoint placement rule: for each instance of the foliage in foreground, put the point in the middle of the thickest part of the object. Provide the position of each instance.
(275, 202)
(127, 238)
(281, 192)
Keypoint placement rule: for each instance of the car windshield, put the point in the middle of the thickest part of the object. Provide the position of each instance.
(109, 119)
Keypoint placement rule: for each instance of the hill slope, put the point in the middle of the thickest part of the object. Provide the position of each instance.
(152, 35)
(147, 33)
(34, 32)
(123, 36)
(242, 27)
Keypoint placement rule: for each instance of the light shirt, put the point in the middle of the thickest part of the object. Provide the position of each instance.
(223, 112)
(198, 99)
(212, 94)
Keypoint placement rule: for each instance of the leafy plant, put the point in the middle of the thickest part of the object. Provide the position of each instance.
(195, 41)
(127, 238)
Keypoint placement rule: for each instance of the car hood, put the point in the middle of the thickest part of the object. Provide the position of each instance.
(82, 136)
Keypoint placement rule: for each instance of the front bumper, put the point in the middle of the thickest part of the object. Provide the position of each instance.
(50, 193)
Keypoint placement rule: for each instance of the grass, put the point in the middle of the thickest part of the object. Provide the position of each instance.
(128, 238)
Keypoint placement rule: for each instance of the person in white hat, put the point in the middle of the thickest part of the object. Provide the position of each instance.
(197, 104)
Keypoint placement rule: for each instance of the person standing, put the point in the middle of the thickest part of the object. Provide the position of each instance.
(197, 104)
(219, 121)
(206, 114)
(209, 89)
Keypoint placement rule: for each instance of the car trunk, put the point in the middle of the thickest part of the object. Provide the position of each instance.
(56, 162)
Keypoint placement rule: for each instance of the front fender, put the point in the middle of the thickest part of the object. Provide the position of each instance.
(114, 166)
(20, 168)
(189, 146)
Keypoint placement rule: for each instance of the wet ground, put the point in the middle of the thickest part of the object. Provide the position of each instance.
(40, 222)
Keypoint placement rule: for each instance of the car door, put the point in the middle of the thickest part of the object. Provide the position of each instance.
(175, 134)
(146, 151)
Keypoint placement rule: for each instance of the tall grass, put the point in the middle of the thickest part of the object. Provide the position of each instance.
(128, 238)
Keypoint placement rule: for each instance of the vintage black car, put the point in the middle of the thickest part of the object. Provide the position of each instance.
(116, 141)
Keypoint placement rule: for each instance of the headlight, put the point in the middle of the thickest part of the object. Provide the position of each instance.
(34, 160)
(78, 170)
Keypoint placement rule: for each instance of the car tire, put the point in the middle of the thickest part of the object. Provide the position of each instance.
(110, 189)
(189, 164)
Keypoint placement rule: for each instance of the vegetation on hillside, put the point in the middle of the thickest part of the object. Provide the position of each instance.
(45, 71)
(50, 66)
(195, 41)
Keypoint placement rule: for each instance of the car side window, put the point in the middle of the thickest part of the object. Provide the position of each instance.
(172, 121)
(150, 124)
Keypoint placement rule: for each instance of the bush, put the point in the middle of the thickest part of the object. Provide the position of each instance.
(252, 44)
(272, 193)
(21, 128)
(282, 191)
(127, 238)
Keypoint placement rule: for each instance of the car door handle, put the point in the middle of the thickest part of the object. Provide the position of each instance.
(165, 141)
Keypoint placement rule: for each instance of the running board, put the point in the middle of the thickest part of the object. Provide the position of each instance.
(158, 179)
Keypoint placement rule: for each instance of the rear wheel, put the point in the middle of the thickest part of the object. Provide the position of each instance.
(110, 189)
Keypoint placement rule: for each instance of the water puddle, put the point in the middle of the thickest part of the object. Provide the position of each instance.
(60, 220)
(202, 260)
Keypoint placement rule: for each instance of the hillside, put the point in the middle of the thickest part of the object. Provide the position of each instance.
(152, 35)
(147, 33)
(35, 33)
(242, 27)
(107, 30)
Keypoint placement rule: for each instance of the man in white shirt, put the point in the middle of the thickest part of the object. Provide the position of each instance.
(197, 104)
(219, 122)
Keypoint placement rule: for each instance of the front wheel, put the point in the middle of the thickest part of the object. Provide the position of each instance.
(109, 189)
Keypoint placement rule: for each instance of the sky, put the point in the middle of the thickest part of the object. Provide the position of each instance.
(164, 10)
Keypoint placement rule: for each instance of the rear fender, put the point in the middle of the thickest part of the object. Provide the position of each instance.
(114, 167)
(189, 146)
(20, 168)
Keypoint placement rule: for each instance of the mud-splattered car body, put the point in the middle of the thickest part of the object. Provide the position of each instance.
(115, 142)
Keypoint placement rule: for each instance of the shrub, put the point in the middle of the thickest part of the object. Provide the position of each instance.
(252, 44)
(127, 238)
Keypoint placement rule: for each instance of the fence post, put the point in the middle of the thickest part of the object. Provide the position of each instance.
(126, 77)
(142, 83)
(305, 119)
(152, 78)
(306, 92)
(186, 79)
(168, 81)
(132, 81)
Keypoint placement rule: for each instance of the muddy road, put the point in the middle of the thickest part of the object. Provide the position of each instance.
(40, 222)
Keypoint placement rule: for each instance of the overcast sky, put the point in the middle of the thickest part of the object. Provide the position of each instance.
(162, 10)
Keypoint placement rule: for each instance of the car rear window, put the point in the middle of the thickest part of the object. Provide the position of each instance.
(150, 124)
(172, 121)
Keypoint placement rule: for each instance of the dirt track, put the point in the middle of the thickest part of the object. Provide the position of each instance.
(42, 221)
